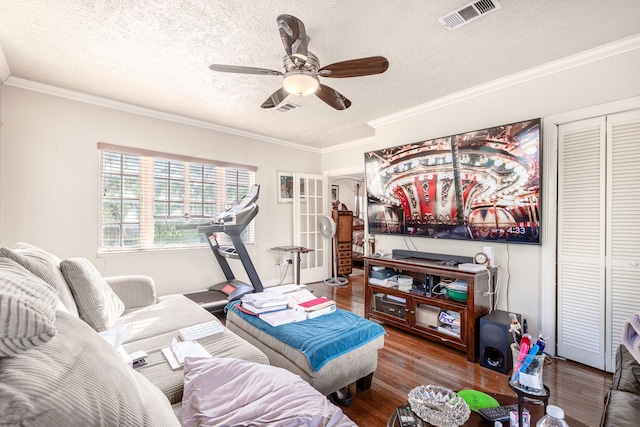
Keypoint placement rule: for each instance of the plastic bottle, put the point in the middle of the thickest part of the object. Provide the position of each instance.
(553, 418)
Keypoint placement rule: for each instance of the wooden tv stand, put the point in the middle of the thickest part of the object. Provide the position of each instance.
(416, 312)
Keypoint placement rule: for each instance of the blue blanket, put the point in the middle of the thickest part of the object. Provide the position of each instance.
(323, 338)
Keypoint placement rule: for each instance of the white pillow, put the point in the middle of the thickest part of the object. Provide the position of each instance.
(46, 266)
(97, 304)
(27, 309)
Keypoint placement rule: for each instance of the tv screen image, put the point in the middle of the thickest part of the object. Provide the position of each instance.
(481, 185)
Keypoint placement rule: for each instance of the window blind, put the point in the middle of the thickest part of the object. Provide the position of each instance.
(145, 194)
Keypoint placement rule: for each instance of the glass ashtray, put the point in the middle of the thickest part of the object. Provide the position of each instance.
(439, 406)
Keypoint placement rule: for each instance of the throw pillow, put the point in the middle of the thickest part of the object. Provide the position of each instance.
(44, 265)
(78, 379)
(27, 309)
(97, 304)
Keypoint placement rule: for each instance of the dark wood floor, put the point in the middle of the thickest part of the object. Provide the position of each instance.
(407, 361)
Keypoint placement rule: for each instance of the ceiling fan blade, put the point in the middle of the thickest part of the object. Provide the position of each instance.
(243, 70)
(356, 67)
(276, 98)
(293, 35)
(333, 98)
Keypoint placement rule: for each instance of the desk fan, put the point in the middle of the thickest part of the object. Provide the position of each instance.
(328, 230)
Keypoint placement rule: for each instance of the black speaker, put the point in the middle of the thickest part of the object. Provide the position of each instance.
(495, 341)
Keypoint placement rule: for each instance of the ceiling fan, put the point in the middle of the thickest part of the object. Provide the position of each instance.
(301, 68)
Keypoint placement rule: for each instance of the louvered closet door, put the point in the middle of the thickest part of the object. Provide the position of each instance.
(623, 213)
(581, 241)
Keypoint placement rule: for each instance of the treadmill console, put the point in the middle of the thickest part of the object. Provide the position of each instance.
(228, 289)
(237, 213)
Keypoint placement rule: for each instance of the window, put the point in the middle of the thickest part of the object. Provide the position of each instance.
(144, 195)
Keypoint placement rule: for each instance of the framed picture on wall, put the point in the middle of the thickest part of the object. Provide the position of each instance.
(335, 193)
(285, 187)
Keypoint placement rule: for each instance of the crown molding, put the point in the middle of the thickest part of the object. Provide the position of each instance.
(4, 67)
(134, 109)
(589, 56)
(347, 145)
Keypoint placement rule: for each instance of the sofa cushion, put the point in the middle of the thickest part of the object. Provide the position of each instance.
(27, 309)
(78, 379)
(159, 372)
(621, 409)
(627, 374)
(97, 304)
(170, 313)
(44, 265)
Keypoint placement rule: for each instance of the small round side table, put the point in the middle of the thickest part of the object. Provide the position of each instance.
(522, 394)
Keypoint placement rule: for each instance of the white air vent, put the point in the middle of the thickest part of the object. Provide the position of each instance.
(469, 12)
(286, 107)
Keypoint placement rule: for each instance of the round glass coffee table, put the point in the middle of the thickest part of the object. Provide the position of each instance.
(536, 411)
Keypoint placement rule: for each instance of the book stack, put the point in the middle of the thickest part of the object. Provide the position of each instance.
(317, 307)
(277, 308)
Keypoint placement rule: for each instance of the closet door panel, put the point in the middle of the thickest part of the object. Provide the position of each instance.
(581, 241)
(623, 214)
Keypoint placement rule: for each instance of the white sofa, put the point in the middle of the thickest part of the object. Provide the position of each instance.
(56, 369)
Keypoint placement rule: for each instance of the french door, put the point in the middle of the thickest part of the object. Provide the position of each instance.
(310, 202)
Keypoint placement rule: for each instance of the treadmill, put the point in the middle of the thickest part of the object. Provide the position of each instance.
(232, 222)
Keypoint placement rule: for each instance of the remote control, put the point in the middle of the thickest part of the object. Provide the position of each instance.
(407, 418)
(498, 413)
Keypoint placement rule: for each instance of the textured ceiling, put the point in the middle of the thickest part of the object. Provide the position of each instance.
(156, 53)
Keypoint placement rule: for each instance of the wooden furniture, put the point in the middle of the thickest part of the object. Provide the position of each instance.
(357, 242)
(344, 227)
(419, 312)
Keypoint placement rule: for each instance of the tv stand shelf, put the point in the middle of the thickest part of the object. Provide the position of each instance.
(419, 312)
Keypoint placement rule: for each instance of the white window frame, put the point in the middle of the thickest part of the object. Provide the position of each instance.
(146, 199)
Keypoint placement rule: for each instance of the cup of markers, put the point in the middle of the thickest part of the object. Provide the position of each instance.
(528, 361)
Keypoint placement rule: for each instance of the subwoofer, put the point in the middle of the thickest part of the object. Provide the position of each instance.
(495, 341)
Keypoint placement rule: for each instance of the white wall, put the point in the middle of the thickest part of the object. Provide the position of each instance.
(49, 184)
(609, 77)
(347, 191)
(1, 144)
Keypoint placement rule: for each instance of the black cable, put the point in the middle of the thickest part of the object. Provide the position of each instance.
(508, 276)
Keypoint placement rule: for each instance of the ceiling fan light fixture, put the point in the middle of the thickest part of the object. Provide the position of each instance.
(300, 83)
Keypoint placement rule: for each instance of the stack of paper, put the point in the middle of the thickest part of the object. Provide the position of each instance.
(282, 317)
(180, 350)
(264, 302)
(449, 322)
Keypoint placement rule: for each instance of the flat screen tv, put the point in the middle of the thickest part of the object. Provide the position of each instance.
(482, 185)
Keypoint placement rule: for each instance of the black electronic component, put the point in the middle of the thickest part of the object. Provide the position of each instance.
(407, 418)
(495, 341)
(449, 260)
(498, 413)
